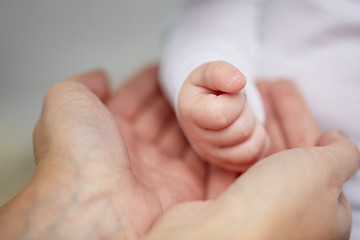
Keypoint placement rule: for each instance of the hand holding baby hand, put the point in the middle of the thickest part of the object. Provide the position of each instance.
(216, 119)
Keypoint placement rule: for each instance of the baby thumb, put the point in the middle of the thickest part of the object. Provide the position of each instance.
(220, 76)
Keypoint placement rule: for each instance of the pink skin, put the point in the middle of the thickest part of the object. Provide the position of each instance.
(108, 165)
(103, 173)
(216, 119)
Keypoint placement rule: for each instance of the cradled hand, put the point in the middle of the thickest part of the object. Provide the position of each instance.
(216, 119)
(294, 194)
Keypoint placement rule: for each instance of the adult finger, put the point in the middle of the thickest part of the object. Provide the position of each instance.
(297, 123)
(96, 81)
(135, 94)
(151, 120)
(75, 125)
(272, 124)
(192, 159)
(342, 158)
(172, 141)
(141, 102)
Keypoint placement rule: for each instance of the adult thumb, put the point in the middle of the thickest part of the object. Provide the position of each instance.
(343, 154)
(76, 131)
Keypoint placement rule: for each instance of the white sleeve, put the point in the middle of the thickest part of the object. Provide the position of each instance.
(212, 30)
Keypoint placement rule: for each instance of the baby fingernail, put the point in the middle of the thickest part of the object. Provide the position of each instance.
(235, 77)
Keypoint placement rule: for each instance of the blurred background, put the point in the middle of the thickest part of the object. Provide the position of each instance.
(44, 41)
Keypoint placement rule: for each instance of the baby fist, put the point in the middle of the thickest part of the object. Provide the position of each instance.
(216, 119)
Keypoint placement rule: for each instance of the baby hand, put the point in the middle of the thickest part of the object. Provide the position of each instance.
(216, 119)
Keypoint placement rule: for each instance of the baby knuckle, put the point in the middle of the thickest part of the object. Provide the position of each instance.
(208, 152)
(253, 151)
(217, 66)
(216, 69)
(219, 117)
(247, 127)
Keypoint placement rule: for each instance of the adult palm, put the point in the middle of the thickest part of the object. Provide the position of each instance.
(108, 165)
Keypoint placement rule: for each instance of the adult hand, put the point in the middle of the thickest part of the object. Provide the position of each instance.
(90, 183)
(294, 194)
(289, 121)
(107, 165)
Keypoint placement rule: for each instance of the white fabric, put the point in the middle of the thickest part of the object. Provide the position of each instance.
(192, 41)
(315, 43)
